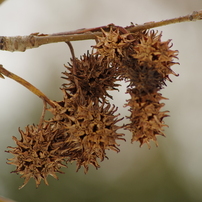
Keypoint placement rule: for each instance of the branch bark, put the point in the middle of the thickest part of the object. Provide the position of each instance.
(22, 43)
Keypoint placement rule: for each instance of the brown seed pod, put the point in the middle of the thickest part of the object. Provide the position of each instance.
(153, 52)
(39, 152)
(113, 45)
(94, 77)
(96, 127)
(92, 127)
(146, 117)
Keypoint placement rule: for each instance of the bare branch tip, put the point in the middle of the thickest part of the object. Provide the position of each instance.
(196, 15)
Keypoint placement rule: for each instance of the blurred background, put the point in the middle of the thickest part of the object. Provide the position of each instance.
(171, 172)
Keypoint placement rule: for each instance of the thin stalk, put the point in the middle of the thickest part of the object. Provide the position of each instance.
(196, 15)
(74, 64)
(27, 85)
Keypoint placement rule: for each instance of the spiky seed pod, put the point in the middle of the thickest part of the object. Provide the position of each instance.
(96, 127)
(94, 75)
(113, 45)
(146, 117)
(39, 152)
(153, 52)
(149, 64)
(93, 127)
(84, 111)
(147, 70)
(144, 78)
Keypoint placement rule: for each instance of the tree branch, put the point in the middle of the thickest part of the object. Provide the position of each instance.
(21, 43)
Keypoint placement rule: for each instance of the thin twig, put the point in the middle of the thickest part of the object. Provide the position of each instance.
(75, 72)
(21, 43)
(43, 114)
(74, 63)
(196, 15)
(27, 85)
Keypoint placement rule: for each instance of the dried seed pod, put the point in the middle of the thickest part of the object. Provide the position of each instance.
(94, 76)
(96, 127)
(39, 152)
(93, 128)
(144, 78)
(152, 52)
(146, 117)
(147, 70)
(149, 64)
(113, 45)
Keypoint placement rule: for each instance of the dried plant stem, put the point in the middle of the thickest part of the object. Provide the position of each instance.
(196, 15)
(21, 43)
(74, 64)
(26, 84)
(43, 114)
